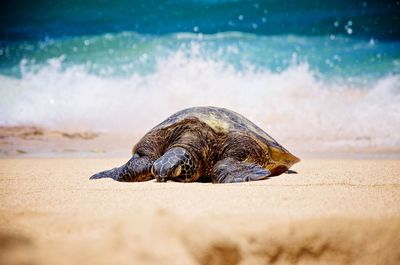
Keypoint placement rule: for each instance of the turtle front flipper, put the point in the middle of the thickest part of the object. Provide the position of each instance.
(135, 170)
(230, 170)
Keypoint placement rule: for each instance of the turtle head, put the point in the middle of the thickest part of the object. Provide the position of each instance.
(176, 164)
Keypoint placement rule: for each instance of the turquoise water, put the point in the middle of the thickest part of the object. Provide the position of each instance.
(307, 71)
(20, 19)
(122, 54)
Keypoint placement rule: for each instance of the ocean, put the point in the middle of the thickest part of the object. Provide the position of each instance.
(310, 73)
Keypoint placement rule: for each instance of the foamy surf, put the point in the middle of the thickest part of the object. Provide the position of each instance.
(294, 105)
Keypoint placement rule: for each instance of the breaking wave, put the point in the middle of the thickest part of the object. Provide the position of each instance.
(293, 105)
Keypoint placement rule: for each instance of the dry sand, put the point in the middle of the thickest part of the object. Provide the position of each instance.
(331, 212)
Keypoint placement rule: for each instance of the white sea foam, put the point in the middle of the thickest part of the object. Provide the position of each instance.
(293, 105)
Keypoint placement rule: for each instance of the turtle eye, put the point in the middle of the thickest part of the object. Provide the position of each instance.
(178, 171)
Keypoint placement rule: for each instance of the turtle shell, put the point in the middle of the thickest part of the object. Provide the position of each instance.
(226, 121)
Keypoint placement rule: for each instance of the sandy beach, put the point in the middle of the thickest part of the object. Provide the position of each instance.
(215, 89)
(331, 212)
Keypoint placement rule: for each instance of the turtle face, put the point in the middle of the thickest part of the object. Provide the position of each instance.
(176, 164)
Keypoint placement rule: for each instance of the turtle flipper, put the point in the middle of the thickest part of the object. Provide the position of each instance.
(135, 170)
(230, 170)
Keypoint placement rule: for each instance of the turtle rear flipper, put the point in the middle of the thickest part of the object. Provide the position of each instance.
(230, 170)
(135, 170)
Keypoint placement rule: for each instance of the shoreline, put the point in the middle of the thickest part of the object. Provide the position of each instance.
(38, 142)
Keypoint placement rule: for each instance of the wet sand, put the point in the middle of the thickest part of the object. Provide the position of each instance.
(331, 212)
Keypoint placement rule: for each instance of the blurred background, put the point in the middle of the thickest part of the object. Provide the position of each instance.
(316, 75)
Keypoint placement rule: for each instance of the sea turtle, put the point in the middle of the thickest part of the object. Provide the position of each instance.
(206, 144)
